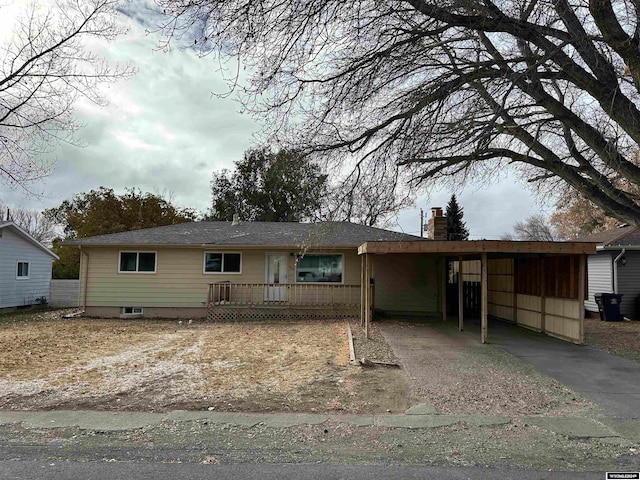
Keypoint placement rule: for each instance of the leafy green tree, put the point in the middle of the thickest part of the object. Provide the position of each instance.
(456, 228)
(101, 211)
(68, 264)
(268, 187)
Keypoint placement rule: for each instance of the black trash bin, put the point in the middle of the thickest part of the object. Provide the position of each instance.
(611, 305)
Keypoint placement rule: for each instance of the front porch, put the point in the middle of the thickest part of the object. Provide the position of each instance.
(228, 301)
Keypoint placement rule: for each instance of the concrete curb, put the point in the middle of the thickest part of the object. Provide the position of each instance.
(116, 421)
(574, 427)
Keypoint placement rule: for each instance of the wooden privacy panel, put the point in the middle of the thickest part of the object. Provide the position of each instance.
(559, 279)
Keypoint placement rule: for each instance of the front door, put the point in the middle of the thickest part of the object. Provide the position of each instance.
(276, 275)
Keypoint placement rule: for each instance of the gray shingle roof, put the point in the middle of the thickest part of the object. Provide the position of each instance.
(275, 234)
(26, 236)
(621, 236)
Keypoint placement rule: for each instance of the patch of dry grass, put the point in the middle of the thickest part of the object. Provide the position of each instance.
(619, 338)
(275, 357)
(162, 362)
(36, 349)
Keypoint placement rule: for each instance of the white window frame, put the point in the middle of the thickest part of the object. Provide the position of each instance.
(204, 264)
(138, 252)
(23, 277)
(295, 269)
(133, 311)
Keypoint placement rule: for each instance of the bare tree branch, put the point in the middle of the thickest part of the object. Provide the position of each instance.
(46, 66)
(452, 91)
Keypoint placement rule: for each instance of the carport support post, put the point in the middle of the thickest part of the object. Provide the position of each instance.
(460, 296)
(515, 291)
(484, 287)
(363, 284)
(367, 295)
(582, 273)
(443, 285)
(543, 306)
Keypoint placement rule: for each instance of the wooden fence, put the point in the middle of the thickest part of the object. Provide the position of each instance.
(64, 293)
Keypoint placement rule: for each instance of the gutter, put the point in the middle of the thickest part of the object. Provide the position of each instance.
(601, 248)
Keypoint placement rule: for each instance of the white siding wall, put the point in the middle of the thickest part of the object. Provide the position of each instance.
(600, 276)
(14, 292)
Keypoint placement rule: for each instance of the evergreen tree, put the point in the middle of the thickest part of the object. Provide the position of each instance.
(456, 228)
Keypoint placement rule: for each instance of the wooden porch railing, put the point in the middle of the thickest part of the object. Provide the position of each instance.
(296, 294)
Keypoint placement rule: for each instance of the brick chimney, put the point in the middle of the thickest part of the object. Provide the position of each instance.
(437, 225)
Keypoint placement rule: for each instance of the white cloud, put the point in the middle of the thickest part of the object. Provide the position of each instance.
(164, 132)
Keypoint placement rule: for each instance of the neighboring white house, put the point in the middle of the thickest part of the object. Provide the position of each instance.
(615, 268)
(25, 268)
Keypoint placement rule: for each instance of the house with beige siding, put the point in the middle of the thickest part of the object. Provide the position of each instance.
(257, 270)
(25, 268)
(254, 269)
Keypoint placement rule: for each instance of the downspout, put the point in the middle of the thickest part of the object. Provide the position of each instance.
(615, 270)
(86, 278)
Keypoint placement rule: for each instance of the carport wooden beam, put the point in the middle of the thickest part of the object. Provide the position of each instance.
(476, 247)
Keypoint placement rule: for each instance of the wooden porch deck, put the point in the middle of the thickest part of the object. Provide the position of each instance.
(287, 301)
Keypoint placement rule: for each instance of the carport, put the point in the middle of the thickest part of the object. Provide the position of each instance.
(536, 285)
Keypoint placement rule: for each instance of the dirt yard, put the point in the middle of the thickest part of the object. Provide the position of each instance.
(50, 363)
(619, 338)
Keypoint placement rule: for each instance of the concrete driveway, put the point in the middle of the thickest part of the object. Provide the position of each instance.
(610, 381)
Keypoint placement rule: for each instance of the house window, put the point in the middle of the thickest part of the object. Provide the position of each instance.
(319, 268)
(132, 311)
(137, 262)
(22, 270)
(222, 262)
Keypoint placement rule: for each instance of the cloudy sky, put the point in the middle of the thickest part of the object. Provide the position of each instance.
(164, 131)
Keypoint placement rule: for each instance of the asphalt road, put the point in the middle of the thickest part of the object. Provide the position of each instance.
(38, 470)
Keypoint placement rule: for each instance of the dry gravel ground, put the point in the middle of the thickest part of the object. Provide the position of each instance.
(372, 349)
(619, 338)
(50, 363)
